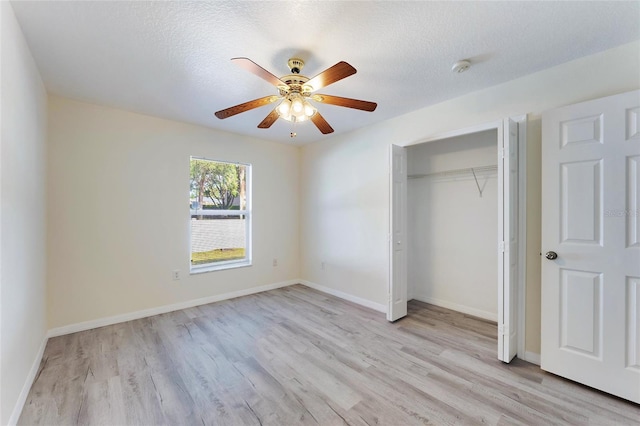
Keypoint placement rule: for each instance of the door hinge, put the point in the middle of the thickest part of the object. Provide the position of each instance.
(503, 330)
(501, 153)
(501, 247)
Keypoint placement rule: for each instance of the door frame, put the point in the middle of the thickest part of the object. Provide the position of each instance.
(397, 300)
(521, 206)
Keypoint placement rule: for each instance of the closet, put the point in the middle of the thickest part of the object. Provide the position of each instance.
(452, 223)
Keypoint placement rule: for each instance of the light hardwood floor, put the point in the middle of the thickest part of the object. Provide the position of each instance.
(296, 356)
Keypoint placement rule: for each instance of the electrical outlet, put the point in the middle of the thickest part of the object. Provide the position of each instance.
(275, 262)
(176, 274)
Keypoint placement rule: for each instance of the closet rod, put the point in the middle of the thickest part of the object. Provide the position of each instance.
(471, 170)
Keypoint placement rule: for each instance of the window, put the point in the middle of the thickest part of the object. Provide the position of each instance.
(220, 210)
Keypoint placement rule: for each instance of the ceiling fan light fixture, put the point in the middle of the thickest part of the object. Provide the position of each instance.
(295, 119)
(306, 112)
(295, 108)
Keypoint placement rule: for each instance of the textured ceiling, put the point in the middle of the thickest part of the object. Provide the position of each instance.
(172, 59)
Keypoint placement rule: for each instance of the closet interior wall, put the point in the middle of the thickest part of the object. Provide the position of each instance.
(453, 223)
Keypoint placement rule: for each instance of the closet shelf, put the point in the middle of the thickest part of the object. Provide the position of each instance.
(456, 172)
(461, 172)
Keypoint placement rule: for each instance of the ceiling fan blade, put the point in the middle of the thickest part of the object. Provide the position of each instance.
(269, 119)
(321, 123)
(331, 75)
(256, 69)
(237, 109)
(345, 102)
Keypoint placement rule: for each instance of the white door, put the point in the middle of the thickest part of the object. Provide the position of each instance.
(398, 235)
(507, 240)
(590, 215)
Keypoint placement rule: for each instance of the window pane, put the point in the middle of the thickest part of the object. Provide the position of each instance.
(217, 239)
(218, 236)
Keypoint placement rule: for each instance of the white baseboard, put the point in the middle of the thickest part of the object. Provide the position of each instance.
(457, 307)
(355, 299)
(101, 322)
(24, 393)
(532, 357)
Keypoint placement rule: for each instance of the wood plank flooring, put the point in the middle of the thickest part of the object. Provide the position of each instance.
(294, 356)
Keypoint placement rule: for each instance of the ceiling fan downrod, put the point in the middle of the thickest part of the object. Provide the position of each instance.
(295, 65)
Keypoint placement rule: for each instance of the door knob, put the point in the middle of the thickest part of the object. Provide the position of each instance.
(551, 255)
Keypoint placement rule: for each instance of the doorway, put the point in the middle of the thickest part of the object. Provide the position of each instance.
(452, 210)
(427, 233)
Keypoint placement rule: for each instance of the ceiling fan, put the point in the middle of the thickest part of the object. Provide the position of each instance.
(294, 93)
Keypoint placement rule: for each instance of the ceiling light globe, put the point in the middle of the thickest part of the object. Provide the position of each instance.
(284, 108)
(297, 106)
(309, 110)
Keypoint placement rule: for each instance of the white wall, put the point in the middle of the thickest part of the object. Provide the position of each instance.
(452, 230)
(118, 186)
(23, 201)
(345, 182)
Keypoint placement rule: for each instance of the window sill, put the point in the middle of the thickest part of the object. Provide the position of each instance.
(201, 269)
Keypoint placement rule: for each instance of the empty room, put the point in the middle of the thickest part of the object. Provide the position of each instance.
(319, 213)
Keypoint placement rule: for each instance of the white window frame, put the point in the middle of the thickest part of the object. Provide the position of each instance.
(227, 264)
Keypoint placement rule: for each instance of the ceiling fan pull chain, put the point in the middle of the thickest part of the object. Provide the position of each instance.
(293, 127)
